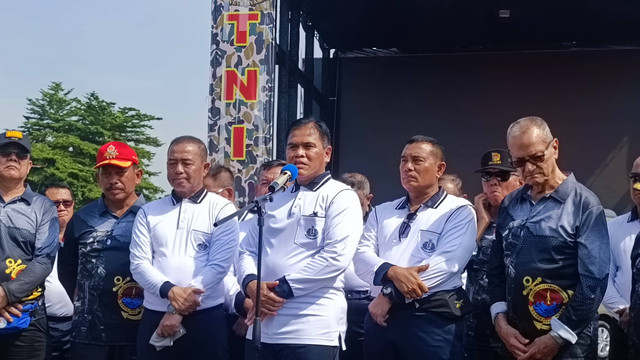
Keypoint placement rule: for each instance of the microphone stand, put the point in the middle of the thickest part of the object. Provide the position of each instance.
(257, 204)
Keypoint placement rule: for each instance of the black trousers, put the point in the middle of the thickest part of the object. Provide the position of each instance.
(205, 338)
(290, 352)
(83, 351)
(28, 344)
(357, 310)
(414, 335)
(59, 337)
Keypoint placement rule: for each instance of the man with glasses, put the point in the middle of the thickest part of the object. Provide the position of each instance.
(549, 261)
(93, 264)
(28, 245)
(622, 233)
(59, 305)
(412, 252)
(499, 179)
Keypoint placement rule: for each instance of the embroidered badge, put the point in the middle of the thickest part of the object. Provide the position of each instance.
(312, 233)
(111, 152)
(545, 301)
(202, 247)
(14, 267)
(428, 246)
(14, 134)
(130, 297)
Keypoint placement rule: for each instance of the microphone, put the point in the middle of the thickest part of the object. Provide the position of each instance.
(288, 173)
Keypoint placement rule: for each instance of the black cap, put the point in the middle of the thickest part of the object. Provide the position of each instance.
(17, 137)
(495, 159)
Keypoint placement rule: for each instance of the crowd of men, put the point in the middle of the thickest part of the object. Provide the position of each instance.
(517, 274)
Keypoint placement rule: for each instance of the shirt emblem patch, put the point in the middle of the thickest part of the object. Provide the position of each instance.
(14, 267)
(545, 301)
(111, 152)
(428, 246)
(202, 247)
(312, 233)
(130, 297)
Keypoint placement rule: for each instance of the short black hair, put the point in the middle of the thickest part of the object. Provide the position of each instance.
(415, 139)
(57, 185)
(323, 129)
(268, 165)
(222, 175)
(190, 140)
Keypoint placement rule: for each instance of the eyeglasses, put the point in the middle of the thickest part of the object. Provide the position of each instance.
(536, 159)
(501, 176)
(634, 177)
(66, 203)
(405, 227)
(20, 154)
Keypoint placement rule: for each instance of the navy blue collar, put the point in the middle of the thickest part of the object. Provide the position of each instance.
(314, 184)
(196, 198)
(633, 215)
(102, 207)
(27, 195)
(561, 193)
(433, 202)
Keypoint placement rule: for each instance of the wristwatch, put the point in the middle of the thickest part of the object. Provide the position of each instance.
(387, 291)
(171, 309)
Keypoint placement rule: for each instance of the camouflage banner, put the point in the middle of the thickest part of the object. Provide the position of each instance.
(242, 89)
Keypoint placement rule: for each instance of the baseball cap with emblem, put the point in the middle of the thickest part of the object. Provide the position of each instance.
(495, 159)
(116, 153)
(15, 137)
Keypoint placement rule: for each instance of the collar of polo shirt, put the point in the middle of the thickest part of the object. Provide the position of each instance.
(314, 184)
(196, 198)
(432, 202)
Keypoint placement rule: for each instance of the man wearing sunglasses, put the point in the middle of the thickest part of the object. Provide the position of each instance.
(499, 179)
(93, 264)
(622, 233)
(28, 245)
(549, 262)
(412, 253)
(59, 305)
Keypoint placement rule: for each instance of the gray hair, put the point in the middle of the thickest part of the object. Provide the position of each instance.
(525, 124)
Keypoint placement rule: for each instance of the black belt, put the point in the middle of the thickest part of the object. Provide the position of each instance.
(449, 303)
(356, 294)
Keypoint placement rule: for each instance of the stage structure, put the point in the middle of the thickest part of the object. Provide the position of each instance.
(241, 124)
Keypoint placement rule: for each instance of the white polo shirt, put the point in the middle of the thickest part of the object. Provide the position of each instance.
(443, 235)
(622, 234)
(174, 241)
(310, 235)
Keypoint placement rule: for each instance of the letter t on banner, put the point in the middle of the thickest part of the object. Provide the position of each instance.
(241, 119)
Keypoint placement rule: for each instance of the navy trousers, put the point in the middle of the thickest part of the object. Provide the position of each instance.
(357, 310)
(412, 334)
(290, 352)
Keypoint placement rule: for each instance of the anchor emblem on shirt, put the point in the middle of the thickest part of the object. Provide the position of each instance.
(312, 233)
(14, 267)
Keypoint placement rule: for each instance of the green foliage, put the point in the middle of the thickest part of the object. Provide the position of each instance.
(66, 133)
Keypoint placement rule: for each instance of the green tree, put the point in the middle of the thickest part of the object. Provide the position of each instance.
(66, 133)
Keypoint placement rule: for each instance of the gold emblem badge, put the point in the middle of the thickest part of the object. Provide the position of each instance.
(111, 152)
(495, 158)
(130, 297)
(545, 301)
(13, 134)
(14, 267)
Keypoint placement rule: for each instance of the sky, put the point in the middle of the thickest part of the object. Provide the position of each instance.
(149, 54)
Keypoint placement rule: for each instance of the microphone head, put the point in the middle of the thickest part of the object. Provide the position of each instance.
(292, 169)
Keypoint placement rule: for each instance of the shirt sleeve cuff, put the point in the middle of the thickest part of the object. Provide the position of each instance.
(283, 289)
(247, 279)
(238, 304)
(563, 331)
(497, 308)
(380, 273)
(165, 288)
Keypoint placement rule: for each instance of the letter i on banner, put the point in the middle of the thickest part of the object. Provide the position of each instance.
(241, 91)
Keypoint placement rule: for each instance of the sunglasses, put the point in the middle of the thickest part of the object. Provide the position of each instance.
(501, 176)
(634, 177)
(19, 153)
(405, 227)
(66, 203)
(536, 159)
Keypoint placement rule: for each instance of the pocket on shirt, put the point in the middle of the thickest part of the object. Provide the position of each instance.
(201, 243)
(428, 241)
(309, 232)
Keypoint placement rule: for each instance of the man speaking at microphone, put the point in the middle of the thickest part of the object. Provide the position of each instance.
(310, 235)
